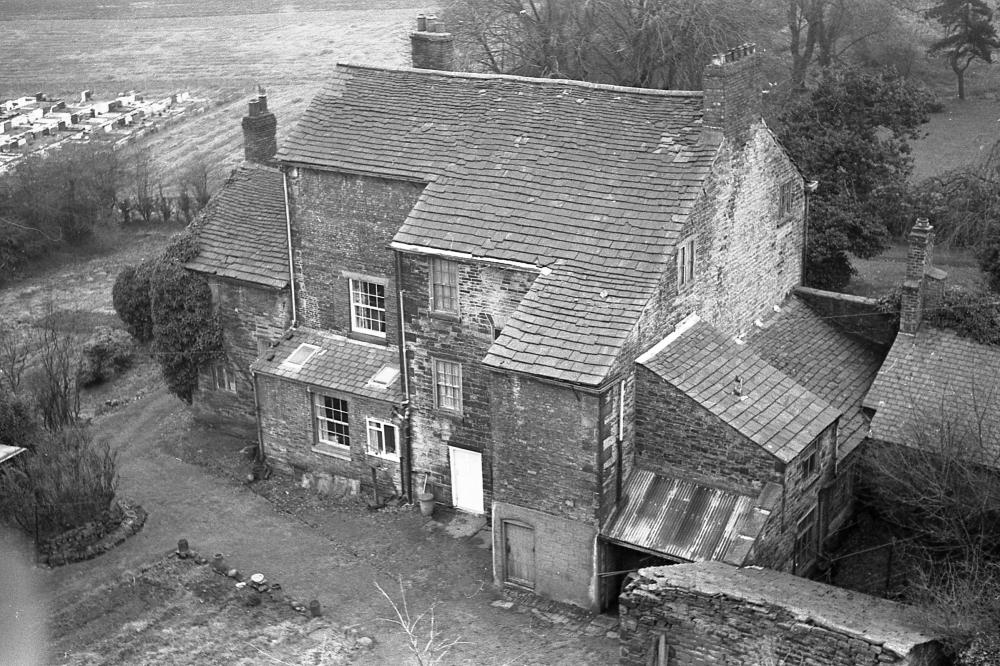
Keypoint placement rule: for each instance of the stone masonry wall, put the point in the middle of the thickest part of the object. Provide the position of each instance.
(564, 554)
(677, 437)
(484, 290)
(703, 628)
(857, 315)
(342, 226)
(546, 448)
(748, 254)
(252, 317)
(288, 432)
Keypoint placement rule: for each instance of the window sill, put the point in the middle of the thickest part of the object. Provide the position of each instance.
(445, 316)
(372, 338)
(333, 451)
(382, 456)
(449, 413)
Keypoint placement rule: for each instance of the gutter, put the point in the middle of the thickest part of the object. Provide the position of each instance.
(291, 264)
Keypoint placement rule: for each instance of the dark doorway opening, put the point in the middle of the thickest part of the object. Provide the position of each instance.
(618, 561)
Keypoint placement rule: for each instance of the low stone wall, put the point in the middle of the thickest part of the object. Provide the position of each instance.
(856, 315)
(95, 537)
(713, 613)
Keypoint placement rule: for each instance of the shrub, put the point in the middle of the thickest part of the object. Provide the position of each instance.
(989, 260)
(17, 422)
(130, 297)
(67, 481)
(108, 352)
(186, 333)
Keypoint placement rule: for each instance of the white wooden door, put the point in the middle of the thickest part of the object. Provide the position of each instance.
(466, 479)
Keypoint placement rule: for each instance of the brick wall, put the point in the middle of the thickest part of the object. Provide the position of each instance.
(342, 225)
(546, 447)
(677, 437)
(465, 338)
(793, 622)
(251, 317)
(564, 554)
(287, 428)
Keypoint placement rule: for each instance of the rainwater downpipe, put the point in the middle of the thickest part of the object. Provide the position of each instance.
(291, 264)
(406, 462)
(619, 443)
(259, 457)
(810, 188)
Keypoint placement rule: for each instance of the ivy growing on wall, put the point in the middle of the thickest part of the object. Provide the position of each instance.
(170, 307)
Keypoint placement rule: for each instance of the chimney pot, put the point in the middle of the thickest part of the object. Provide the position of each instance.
(421, 23)
(259, 131)
(732, 96)
(432, 48)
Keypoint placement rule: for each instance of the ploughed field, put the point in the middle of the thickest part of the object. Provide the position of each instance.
(217, 49)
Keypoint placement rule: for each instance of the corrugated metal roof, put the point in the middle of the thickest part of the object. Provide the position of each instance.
(686, 520)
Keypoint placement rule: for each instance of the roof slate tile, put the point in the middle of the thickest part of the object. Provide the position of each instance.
(241, 234)
(783, 432)
(558, 174)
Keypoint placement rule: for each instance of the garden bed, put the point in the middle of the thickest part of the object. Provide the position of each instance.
(93, 538)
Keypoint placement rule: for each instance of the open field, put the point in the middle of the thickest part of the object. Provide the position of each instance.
(222, 49)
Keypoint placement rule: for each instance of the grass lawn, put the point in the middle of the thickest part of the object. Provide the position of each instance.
(885, 272)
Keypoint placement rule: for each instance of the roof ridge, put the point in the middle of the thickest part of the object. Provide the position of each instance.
(652, 92)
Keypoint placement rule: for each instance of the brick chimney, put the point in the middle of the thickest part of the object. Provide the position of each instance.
(923, 285)
(732, 92)
(260, 141)
(432, 47)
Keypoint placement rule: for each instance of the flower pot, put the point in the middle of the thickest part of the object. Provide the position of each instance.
(426, 503)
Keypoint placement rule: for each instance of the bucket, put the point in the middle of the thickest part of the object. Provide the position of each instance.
(426, 503)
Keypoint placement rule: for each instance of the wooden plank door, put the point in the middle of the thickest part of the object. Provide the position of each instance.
(466, 480)
(519, 554)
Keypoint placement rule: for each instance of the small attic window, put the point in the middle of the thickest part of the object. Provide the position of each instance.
(385, 376)
(300, 356)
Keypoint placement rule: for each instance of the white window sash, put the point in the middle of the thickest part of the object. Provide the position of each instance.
(366, 315)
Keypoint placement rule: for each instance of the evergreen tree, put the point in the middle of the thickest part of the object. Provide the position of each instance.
(969, 34)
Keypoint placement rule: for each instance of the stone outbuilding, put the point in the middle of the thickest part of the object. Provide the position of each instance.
(715, 613)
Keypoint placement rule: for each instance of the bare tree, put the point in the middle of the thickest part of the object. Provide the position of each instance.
(55, 389)
(198, 177)
(15, 349)
(644, 43)
(164, 207)
(822, 31)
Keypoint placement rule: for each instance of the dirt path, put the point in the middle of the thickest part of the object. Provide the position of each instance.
(334, 554)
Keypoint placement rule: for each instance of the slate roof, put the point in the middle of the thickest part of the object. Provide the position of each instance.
(242, 233)
(773, 410)
(340, 364)
(821, 357)
(589, 183)
(933, 377)
(683, 519)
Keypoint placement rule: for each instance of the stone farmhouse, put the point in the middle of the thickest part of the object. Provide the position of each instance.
(566, 306)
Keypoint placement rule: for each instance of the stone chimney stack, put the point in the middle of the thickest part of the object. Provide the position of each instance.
(918, 261)
(260, 127)
(732, 92)
(431, 46)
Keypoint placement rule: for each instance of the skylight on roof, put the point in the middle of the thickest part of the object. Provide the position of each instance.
(385, 376)
(300, 356)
